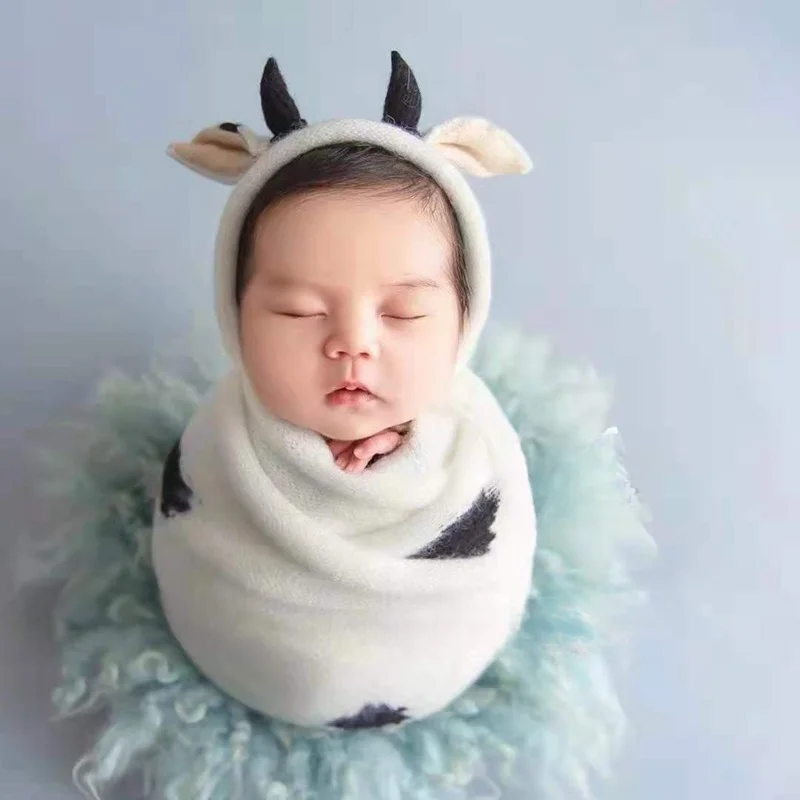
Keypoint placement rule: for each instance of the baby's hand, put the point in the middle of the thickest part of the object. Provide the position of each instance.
(355, 456)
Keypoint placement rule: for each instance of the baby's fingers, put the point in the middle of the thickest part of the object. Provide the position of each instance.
(349, 462)
(338, 447)
(344, 458)
(378, 445)
(355, 465)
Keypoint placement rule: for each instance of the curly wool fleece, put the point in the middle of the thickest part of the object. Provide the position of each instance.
(544, 715)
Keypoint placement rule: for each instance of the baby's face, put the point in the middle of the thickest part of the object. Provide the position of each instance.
(350, 288)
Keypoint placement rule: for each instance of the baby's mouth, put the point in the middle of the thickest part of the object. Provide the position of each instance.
(350, 395)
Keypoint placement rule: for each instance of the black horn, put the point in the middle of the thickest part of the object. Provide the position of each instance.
(280, 111)
(403, 105)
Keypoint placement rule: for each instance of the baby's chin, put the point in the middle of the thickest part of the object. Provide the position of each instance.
(348, 426)
(350, 430)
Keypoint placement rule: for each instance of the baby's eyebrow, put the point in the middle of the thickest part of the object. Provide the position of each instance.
(414, 283)
(285, 282)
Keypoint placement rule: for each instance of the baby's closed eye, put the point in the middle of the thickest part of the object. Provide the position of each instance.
(301, 314)
(405, 311)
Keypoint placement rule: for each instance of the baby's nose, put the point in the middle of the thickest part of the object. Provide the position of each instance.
(356, 338)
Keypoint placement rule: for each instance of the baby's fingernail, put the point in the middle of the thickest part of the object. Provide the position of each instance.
(360, 452)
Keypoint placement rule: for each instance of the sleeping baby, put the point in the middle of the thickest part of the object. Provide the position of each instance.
(345, 531)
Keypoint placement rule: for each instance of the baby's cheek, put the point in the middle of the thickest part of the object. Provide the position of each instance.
(265, 358)
(426, 371)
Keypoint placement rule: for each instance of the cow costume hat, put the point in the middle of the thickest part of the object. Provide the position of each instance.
(318, 597)
(234, 154)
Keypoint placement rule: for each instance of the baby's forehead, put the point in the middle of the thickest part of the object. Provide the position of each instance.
(389, 206)
(335, 239)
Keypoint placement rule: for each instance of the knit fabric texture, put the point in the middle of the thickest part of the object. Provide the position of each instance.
(309, 593)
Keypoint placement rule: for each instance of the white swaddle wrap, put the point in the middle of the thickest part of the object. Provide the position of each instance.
(317, 596)
(328, 598)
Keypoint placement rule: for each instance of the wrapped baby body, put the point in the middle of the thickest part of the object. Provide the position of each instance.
(327, 598)
(352, 283)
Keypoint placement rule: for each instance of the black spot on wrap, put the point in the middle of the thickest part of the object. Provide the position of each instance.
(176, 495)
(371, 717)
(470, 535)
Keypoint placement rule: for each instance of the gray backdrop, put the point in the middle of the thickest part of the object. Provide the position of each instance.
(658, 237)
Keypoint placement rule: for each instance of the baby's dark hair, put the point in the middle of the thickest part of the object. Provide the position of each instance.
(354, 166)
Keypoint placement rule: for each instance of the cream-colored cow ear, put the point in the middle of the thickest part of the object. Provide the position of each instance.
(223, 152)
(479, 148)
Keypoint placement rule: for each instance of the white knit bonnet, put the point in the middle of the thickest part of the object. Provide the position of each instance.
(234, 154)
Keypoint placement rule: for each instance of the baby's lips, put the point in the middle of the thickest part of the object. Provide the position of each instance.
(353, 385)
